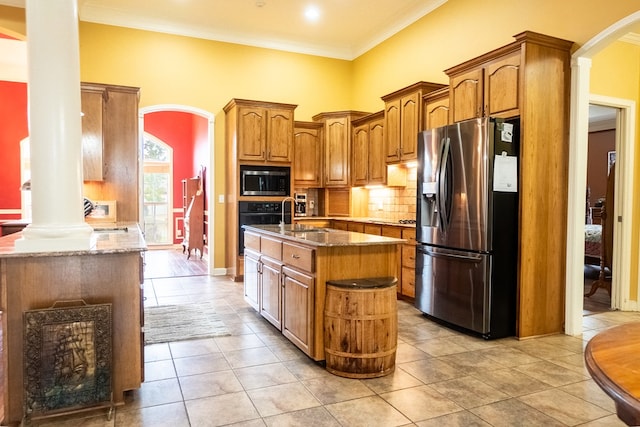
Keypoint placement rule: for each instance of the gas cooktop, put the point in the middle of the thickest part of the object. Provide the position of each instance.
(407, 221)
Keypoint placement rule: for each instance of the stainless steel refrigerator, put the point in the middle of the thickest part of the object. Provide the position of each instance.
(467, 225)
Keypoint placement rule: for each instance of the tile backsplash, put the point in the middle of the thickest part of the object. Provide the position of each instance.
(394, 203)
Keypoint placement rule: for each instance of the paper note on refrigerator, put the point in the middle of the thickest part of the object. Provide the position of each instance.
(505, 174)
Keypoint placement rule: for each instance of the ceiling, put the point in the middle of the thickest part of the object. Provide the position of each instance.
(344, 29)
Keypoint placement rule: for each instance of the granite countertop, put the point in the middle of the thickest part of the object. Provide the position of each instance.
(107, 238)
(367, 220)
(321, 236)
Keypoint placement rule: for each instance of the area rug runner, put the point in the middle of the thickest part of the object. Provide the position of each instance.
(167, 323)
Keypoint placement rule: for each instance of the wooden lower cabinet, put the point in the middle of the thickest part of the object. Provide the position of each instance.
(38, 282)
(252, 278)
(408, 281)
(270, 291)
(297, 308)
(290, 285)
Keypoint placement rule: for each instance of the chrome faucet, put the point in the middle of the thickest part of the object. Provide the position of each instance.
(293, 208)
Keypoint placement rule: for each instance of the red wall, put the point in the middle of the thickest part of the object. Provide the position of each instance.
(600, 143)
(187, 134)
(13, 129)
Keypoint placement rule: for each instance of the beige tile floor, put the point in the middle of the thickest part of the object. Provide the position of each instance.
(255, 377)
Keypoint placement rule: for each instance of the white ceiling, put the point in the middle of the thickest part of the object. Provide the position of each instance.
(345, 29)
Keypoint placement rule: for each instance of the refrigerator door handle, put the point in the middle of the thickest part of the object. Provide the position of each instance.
(442, 193)
(464, 256)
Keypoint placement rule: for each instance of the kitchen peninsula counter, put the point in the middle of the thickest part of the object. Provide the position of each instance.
(106, 238)
(111, 272)
(323, 236)
(287, 269)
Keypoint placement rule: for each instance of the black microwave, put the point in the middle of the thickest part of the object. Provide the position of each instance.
(265, 180)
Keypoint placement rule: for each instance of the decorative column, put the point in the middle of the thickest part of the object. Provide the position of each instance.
(55, 129)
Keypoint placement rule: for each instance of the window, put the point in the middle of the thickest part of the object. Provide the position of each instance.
(157, 191)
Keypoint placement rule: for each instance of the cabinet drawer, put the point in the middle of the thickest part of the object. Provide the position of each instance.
(408, 287)
(373, 229)
(410, 235)
(251, 241)
(391, 231)
(270, 247)
(356, 227)
(339, 225)
(409, 256)
(299, 257)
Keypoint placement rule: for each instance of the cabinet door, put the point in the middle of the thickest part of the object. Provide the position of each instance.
(466, 94)
(297, 318)
(360, 157)
(436, 113)
(337, 147)
(252, 278)
(410, 125)
(502, 84)
(251, 133)
(377, 163)
(392, 134)
(279, 135)
(270, 292)
(307, 152)
(92, 138)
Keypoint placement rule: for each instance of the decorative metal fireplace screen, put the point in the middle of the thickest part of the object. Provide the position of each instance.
(67, 359)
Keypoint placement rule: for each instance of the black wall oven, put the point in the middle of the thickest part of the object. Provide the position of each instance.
(260, 213)
(265, 180)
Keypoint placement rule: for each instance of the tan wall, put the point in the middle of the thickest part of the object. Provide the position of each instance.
(615, 72)
(205, 74)
(463, 29)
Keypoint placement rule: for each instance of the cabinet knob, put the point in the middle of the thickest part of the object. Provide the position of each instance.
(295, 256)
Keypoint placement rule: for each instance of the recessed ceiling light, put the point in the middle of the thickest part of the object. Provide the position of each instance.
(260, 3)
(312, 13)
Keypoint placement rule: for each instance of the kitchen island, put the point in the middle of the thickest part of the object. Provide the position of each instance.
(287, 268)
(109, 273)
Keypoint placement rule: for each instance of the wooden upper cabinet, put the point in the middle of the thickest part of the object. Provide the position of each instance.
(264, 130)
(307, 150)
(279, 145)
(436, 108)
(252, 139)
(403, 121)
(377, 160)
(368, 163)
(491, 88)
(392, 123)
(93, 104)
(466, 95)
(502, 84)
(360, 157)
(337, 146)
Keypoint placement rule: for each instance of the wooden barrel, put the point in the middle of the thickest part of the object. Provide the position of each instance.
(361, 327)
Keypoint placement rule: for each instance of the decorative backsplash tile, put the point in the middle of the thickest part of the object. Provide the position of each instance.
(394, 203)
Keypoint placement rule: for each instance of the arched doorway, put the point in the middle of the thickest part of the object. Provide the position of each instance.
(580, 99)
(207, 160)
(157, 191)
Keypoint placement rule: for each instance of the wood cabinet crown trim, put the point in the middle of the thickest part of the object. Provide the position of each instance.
(237, 102)
(436, 94)
(521, 38)
(362, 120)
(424, 86)
(352, 113)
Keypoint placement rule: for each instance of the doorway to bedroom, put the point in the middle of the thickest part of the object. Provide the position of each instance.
(598, 206)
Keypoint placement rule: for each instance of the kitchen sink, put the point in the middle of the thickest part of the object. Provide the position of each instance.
(111, 229)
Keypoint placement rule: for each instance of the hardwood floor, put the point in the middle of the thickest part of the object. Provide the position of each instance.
(171, 262)
(598, 302)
